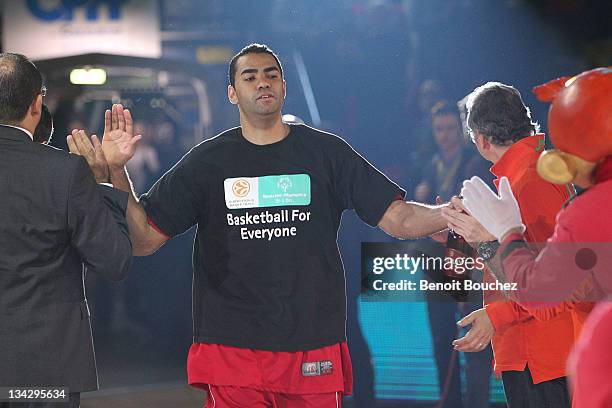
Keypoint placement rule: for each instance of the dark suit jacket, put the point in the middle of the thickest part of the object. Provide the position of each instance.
(55, 221)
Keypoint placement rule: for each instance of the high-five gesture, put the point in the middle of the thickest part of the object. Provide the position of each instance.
(79, 143)
(499, 214)
(119, 142)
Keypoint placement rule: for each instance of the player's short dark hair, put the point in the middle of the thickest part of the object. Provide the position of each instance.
(20, 83)
(443, 108)
(250, 49)
(44, 129)
(497, 111)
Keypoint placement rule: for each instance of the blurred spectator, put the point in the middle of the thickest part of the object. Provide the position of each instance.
(169, 148)
(443, 176)
(430, 93)
(145, 165)
(420, 144)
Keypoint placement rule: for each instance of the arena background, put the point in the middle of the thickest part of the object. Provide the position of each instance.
(353, 67)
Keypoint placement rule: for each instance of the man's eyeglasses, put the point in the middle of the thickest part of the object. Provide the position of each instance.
(472, 135)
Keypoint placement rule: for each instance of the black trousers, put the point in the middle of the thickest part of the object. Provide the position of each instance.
(73, 402)
(521, 392)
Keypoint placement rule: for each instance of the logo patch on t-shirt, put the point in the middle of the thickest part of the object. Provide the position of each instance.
(317, 368)
(267, 191)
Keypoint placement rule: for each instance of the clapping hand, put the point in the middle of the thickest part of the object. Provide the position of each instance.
(79, 143)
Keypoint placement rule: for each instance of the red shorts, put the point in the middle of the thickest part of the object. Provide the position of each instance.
(240, 397)
(326, 370)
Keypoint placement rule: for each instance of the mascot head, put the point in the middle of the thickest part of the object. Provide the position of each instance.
(579, 126)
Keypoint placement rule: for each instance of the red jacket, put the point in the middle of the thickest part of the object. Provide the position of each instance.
(520, 339)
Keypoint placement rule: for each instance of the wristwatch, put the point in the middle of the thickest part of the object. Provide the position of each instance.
(487, 249)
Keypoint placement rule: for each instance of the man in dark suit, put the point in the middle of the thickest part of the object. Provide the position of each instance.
(55, 221)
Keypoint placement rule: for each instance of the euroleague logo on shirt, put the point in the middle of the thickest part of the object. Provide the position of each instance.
(241, 188)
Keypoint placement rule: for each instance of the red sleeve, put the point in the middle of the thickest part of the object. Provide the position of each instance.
(156, 228)
(539, 202)
(503, 312)
(545, 280)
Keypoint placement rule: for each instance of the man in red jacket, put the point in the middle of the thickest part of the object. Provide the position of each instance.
(576, 260)
(533, 370)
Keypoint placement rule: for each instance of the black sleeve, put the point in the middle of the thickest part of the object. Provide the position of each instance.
(174, 201)
(97, 225)
(360, 186)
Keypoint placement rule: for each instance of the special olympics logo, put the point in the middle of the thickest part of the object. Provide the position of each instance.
(284, 184)
(241, 188)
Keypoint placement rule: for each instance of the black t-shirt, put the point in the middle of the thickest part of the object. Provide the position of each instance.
(267, 271)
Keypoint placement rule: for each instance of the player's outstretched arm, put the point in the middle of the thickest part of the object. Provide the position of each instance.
(119, 145)
(409, 220)
(145, 239)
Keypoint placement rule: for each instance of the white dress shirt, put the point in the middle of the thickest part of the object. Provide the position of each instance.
(22, 129)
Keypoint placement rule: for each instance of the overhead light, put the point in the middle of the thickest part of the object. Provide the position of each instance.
(88, 76)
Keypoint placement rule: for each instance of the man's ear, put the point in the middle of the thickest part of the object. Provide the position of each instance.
(486, 143)
(36, 106)
(231, 95)
(284, 89)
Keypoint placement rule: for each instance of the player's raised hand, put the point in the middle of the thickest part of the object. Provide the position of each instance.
(119, 142)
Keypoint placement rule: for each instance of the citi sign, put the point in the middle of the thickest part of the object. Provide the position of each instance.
(63, 10)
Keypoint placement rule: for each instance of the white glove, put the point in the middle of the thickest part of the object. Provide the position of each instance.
(498, 214)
